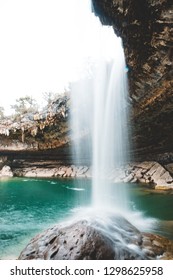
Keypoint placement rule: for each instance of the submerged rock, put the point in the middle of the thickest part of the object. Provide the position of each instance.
(93, 240)
(157, 247)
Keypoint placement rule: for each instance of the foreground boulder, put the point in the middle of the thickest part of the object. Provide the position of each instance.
(76, 242)
(83, 240)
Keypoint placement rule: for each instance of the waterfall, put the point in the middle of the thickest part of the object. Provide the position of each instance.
(99, 111)
(110, 132)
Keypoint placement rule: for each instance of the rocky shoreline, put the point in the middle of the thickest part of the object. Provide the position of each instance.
(152, 173)
(84, 240)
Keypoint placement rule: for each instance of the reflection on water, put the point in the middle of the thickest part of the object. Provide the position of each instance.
(27, 206)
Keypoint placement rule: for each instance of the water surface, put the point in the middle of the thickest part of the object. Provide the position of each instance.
(28, 206)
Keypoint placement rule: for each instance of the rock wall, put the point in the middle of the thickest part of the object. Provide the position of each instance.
(147, 33)
(37, 132)
(146, 29)
(45, 136)
(37, 137)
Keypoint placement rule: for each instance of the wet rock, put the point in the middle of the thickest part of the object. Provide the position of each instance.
(145, 165)
(68, 172)
(158, 172)
(6, 171)
(139, 174)
(150, 172)
(76, 242)
(81, 171)
(135, 180)
(3, 161)
(169, 167)
(128, 178)
(88, 173)
(30, 173)
(164, 187)
(60, 173)
(157, 247)
(117, 175)
(84, 240)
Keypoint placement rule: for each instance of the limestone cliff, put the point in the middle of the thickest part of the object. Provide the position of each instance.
(41, 136)
(146, 27)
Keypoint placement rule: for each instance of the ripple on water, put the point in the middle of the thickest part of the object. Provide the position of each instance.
(75, 189)
(27, 208)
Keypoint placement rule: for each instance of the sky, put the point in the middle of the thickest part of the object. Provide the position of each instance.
(37, 49)
(43, 44)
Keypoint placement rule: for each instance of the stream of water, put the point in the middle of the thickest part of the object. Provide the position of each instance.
(99, 123)
(100, 113)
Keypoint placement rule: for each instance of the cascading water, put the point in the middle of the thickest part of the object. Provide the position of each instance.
(99, 119)
(99, 115)
(110, 127)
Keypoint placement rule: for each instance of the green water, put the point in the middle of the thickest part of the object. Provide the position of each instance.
(27, 206)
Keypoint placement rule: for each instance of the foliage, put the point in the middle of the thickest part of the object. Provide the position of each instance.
(50, 97)
(25, 105)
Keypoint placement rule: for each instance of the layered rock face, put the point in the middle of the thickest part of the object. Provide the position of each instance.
(41, 139)
(37, 137)
(146, 29)
(34, 132)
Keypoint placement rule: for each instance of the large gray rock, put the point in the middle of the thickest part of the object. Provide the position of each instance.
(95, 240)
(76, 242)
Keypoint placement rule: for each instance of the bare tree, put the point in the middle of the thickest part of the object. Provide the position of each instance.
(1, 112)
(49, 97)
(25, 105)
